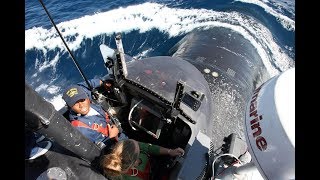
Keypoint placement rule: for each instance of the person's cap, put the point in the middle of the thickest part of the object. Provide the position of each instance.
(72, 94)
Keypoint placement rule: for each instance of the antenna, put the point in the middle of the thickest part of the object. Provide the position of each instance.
(121, 52)
(72, 57)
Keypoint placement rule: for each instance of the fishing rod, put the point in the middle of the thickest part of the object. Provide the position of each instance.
(72, 57)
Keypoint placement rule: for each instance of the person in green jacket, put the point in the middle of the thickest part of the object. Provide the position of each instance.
(129, 159)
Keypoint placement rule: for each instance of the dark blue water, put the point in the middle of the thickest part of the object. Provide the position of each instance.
(148, 28)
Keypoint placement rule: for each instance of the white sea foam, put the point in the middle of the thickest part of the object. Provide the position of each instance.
(49, 63)
(41, 87)
(285, 21)
(53, 89)
(142, 54)
(57, 102)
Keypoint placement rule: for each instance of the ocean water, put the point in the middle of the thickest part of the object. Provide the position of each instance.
(148, 28)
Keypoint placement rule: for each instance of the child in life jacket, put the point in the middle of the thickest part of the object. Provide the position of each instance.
(89, 118)
(129, 159)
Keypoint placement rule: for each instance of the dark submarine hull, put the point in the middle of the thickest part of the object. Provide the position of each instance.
(237, 69)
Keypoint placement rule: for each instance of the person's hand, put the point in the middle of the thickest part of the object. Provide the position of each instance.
(113, 131)
(176, 152)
